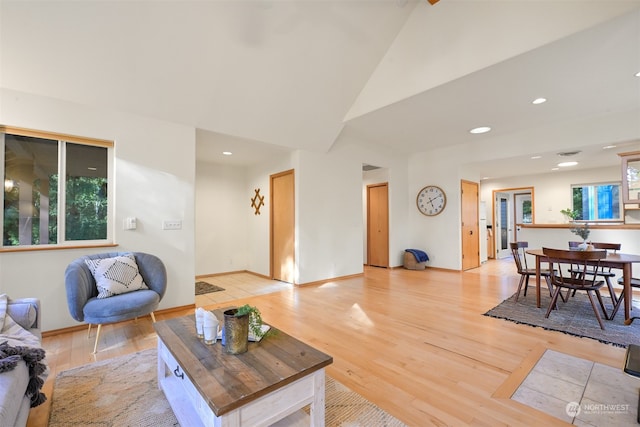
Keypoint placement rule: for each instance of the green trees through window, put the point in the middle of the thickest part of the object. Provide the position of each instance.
(597, 202)
(41, 209)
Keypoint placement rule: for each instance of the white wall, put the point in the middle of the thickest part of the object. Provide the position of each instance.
(329, 215)
(223, 207)
(329, 206)
(438, 235)
(154, 180)
(552, 191)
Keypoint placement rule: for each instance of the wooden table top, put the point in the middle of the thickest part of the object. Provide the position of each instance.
(614, 258)
(228, 381)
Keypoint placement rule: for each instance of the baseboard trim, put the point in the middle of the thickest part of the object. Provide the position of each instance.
(334, 279)
(203, 276)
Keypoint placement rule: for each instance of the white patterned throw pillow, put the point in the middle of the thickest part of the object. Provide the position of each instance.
(117, 275)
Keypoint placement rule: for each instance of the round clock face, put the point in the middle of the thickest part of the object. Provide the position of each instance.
(431, 200)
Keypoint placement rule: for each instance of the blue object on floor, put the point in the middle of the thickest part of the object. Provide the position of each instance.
(421, 256)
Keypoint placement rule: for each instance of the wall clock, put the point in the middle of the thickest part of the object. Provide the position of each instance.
(431, 200)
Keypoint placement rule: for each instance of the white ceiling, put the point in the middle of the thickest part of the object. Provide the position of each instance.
(261, 78)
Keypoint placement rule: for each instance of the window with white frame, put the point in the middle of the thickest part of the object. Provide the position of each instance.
(56, 189)
(597, 202)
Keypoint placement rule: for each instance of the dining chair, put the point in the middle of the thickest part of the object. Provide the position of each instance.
(635, 283)
(520, 258)
(605, 272)
(562, 262)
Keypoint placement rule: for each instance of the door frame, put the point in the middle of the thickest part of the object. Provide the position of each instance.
(513, 235)
(271, 224)
(369, 187)
(470, 260)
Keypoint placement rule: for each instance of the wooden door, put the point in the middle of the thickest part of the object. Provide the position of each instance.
(378, 225)
(470, 228)
(283, 227)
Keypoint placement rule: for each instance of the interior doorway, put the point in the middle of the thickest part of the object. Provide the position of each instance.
(512, 207)
(283, 226)
(503, 224)
(470, 227)
(378, 225)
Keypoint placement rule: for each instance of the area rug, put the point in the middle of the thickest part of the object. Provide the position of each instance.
(205, 288)
(576, 317)
(124, 392)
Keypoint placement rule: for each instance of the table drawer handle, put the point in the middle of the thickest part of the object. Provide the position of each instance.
(177, 373)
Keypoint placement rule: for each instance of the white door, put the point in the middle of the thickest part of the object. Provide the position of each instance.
(503, 224)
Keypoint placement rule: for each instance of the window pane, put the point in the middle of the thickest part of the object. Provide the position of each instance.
(609, 202)
(526, 212)
(86, 193)
(597, 202)
(30, 196)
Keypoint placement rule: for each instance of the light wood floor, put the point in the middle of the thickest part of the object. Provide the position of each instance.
(413, 342)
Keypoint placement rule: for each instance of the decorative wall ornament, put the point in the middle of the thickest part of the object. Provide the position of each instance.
(257, 201)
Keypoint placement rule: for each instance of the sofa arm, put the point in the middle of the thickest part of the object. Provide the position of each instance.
(26, 312)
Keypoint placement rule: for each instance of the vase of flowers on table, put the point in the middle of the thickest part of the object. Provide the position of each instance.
(581, 230)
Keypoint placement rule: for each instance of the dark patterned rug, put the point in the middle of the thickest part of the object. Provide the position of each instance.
(205, 288)
(575, 317)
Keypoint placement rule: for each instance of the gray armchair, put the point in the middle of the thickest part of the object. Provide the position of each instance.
(82, 293)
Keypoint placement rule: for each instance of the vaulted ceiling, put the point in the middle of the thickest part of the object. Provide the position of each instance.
(262, 77)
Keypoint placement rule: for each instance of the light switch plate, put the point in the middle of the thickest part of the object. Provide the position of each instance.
(130, 223)
(172, 224)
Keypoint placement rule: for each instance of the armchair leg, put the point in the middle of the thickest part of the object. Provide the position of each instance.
(89, 332)
(153, 317)
(95, 346)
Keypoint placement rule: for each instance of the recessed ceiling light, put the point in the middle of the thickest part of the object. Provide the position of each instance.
(539, 101)
(535, 157)
(555, 169)
(227, 153)
(638, 74)
(481, 129)
(608, 147)
(565, 164)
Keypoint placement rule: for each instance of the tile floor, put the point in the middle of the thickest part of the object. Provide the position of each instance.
(238, 285)
(580, 392)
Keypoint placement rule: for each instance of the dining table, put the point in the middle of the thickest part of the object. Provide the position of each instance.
(616, 260)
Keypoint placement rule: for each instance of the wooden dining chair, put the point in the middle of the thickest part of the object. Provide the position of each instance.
(562, 262)
(635, 283)
(520, 258)
(605, 272)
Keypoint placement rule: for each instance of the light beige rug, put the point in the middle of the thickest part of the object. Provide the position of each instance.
(124, 392)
